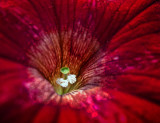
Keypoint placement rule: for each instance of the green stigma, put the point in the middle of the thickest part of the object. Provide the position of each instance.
(64, 70)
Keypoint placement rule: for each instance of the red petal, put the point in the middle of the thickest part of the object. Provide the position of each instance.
(129, 29)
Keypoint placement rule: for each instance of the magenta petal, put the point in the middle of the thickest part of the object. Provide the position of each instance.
(14, 99)
(136, 48)
(112, 45)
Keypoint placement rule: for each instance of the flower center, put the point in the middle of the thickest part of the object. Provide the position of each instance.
(66, 81)
(71, 49)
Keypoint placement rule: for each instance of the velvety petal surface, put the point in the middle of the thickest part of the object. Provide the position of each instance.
(112, 46)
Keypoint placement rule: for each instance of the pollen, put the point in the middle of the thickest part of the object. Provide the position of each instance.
(62, 82)
(71, 78)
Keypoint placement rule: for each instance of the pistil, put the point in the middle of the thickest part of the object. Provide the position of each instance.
(65, 72)
(67, 78)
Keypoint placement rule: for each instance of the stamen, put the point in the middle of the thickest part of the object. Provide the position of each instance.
(62, 82)
(71, 78)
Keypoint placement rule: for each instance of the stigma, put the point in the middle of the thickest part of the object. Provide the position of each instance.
(67, 78)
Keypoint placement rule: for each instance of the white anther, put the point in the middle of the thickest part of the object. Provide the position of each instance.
(71, 78)
(62, 82)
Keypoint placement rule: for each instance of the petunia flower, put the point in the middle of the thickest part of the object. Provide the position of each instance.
(110, 50)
